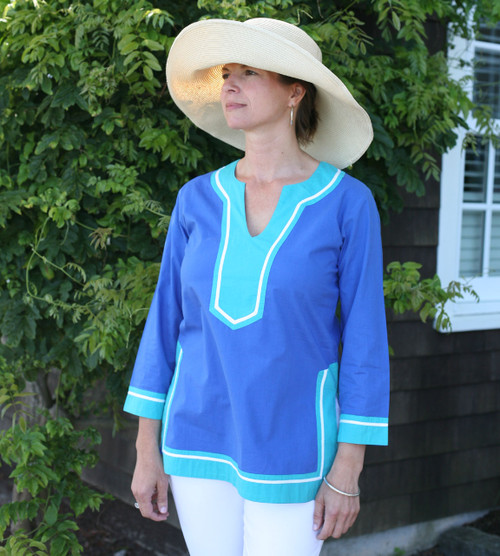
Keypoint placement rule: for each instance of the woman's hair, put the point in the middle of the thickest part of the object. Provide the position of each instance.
(306, 118)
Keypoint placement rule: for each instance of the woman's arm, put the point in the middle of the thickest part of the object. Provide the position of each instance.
(153, 371)
(150, 483)
(364, 365)
(335, 513)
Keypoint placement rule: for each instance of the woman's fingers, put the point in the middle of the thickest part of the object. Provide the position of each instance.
(319, 511)
(150, 489)
(334, 514)
(162, 496)
(150, 505)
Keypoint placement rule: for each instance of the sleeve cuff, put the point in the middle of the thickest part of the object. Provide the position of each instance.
(355, 429)
(144, 403)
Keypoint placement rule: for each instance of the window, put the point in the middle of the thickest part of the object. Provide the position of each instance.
(469, 221)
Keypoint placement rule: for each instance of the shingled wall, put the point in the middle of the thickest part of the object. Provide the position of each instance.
(444, 453)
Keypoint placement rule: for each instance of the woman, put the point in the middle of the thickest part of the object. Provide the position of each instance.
(237, 374)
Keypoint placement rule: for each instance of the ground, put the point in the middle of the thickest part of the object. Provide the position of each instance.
(99, 540)
(117, 529)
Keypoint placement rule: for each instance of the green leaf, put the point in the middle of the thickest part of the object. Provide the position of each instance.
(50, 515)
(126, 40)
(131, 57)
(22, 424)
(152, 61)
(49, 141)
(153, 45)
(148, 74)
(65, 96)
(395, 20)
(128, 48)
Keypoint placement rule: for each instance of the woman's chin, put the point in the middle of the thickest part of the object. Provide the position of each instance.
(235, 124)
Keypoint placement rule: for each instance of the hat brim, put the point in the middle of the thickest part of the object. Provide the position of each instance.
(194, 80)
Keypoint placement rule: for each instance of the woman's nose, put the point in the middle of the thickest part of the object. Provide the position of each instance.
(230, 84)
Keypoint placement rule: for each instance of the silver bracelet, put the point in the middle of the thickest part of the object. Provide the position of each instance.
(341, 491)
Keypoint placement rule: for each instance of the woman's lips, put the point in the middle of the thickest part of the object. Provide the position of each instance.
(234, 106)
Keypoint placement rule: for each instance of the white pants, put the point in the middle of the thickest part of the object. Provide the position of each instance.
(217, 521)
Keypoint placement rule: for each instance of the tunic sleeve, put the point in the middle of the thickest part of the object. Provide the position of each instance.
(364, 368)
(155, 362)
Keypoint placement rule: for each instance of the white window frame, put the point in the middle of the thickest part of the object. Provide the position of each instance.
(465, 314)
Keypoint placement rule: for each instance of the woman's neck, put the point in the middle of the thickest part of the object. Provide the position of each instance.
(268, 159)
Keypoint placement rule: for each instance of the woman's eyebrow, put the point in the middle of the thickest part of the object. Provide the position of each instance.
(243, 66)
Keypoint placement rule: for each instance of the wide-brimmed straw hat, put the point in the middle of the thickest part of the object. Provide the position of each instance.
(194, 80)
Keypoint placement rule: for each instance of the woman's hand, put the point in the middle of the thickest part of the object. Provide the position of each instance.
(334, 513)
(150, 483)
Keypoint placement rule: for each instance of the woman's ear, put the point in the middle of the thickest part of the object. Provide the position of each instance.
(298, 92)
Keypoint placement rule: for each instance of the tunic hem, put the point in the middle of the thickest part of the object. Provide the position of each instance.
(281, 490)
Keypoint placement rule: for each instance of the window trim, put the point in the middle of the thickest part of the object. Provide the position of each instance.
(465, 314)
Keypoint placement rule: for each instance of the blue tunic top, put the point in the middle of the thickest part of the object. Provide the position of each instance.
(240, 351)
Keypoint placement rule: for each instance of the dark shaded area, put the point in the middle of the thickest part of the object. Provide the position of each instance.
(489, 524)
(117, 529)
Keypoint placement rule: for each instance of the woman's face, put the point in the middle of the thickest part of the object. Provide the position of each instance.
(255, 99)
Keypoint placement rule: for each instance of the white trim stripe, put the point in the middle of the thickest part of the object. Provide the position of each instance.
(230, 463)
(173, 387)
(143, 397)
(268, 256)
(364, 423)
(322, 423)
(224, 250)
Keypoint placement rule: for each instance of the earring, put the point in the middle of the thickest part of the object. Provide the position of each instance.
(291, 115)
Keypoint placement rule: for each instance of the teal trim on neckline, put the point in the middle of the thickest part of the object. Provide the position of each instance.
(244, 262)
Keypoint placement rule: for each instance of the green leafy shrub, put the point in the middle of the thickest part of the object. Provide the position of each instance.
(405, 290)
(47, 455)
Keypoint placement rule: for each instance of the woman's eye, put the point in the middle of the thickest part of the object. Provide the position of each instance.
(250, 72)
(225, 76)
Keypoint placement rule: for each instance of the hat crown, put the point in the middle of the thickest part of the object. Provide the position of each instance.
(289, 32)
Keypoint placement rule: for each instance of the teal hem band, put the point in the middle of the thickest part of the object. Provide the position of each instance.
(143, 408)
(290, 492)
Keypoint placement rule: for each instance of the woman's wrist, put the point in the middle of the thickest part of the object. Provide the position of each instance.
(343, 492)
(350, 456)
(347, 467)
(148, 435)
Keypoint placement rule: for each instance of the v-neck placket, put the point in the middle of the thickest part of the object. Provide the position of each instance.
(244, 261)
